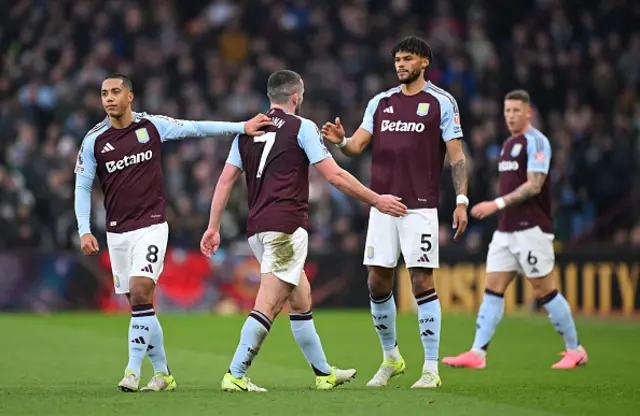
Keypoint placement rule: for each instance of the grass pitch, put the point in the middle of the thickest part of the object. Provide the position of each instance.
(70, 364)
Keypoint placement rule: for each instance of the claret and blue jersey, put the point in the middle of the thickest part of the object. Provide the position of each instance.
(408, 137)
(276, 167)
(128, 166)
(528, 152)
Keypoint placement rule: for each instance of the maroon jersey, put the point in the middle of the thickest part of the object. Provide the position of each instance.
(530, 152)
(127, 163)
(276, 167)
(408, 138)
(128, 166)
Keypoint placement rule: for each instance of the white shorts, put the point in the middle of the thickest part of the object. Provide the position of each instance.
(528, 252)
(415, 235)
(137, 253)
(281, 254)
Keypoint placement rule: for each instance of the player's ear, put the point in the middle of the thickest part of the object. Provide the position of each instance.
(130, 96)
(425, 63)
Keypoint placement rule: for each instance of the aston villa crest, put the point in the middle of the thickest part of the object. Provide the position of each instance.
(423, 109)
(143, 135)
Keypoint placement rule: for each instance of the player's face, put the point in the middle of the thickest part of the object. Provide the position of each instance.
(116, 98)
(516, 114)
(409, 67)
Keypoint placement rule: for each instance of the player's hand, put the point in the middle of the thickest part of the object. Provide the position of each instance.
(333, 132)
(390, 205)
(484, 209)
(210, 242)
(252, 127)
(460, 220)
(89, 245)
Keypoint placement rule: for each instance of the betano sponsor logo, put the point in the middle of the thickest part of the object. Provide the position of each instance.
(508, 166)
(388, 125)
(127, 161)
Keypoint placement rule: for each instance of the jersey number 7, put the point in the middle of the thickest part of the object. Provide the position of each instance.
(268, 139)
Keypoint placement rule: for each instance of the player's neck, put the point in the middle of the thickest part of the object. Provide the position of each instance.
(286, 108)
(414, 87)
(521, 131)
(123, 121)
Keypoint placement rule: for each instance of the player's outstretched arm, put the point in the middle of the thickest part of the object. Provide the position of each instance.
(175, 129)
(310, 141)
(458, 162)
(350, 146)
(345, 182)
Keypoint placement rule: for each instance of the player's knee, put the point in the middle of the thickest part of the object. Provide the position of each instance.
(421, 280)
(498, 282)
(542, 286)
(141, 290)
(380, 281)
(272, 295)
(300, 301)
(270, 306)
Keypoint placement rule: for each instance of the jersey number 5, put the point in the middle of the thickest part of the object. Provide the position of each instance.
(268, 139)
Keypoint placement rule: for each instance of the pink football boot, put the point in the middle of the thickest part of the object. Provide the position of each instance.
(572, 359)
(467, 359)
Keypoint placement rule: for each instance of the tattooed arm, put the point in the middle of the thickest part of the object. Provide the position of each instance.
(530, 188)
(458, 163)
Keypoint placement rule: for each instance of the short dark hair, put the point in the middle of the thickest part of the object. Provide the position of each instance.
(414, 45)
(520, 95)
(125, 80)
(282, 85)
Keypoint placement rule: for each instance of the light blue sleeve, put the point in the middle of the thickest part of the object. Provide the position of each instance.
(234, 155)
(85, 173)
(175, 129)
(538, 152)
(367, 120)
(449, 117)
(310, 140)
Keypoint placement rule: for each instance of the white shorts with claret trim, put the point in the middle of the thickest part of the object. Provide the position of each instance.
(137, 253)
(414, 235)
(281, 254)
(528, 252)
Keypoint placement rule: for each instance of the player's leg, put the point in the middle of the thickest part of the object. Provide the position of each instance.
(381, 257)
(491, 310)
(537, 260)
(419, 242)
(281, 265)
(502, 266)
(146, 336)
(120, 256)
(271, 297)
(305, 334)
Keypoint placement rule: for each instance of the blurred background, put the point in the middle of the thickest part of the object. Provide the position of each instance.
(210, 59)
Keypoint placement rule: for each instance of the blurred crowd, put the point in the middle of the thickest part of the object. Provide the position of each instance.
(210, 59)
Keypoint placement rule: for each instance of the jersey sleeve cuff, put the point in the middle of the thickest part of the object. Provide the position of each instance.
(448, 139)
(320, 159)
(230, 162)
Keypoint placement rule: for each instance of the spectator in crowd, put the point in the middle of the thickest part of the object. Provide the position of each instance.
(209, 59)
